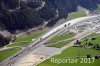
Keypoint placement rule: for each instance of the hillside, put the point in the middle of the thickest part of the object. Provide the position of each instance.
(25, 14)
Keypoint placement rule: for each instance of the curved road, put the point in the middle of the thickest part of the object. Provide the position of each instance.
(72, 22)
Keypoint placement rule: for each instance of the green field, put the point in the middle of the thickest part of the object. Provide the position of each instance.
(77, 14)
(98, 10)
(59, 38)
(7, 53)
(73, 52)
(25, 40)
(60, 44)
(97, 41)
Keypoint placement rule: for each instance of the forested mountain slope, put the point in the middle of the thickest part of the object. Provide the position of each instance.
(25, 14)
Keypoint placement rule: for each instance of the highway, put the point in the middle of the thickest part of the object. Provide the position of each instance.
(14, 60)
(71, 22)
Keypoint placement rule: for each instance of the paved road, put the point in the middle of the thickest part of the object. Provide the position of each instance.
(71, 22)
(39, 42)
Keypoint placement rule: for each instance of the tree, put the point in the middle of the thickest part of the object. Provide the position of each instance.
(4, 40)
(96, 46)
(78, 42)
